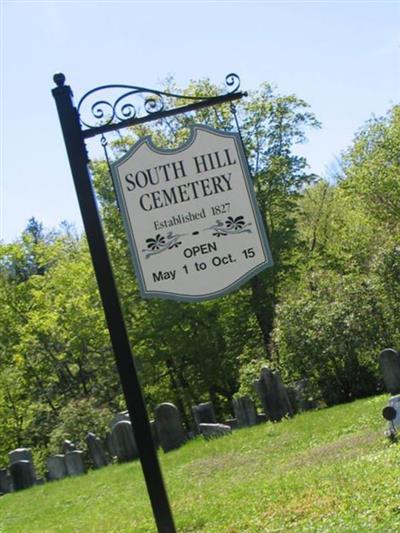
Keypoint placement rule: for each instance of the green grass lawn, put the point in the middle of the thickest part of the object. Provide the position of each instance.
(330, 470)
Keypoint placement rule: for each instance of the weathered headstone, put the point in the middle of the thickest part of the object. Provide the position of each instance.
(21, 474)
(273, 395)
(169, 426)
(56, 467)
(118, 417)
(123, 442)
(75, 463)
(4, 481)
(212, 431)
(124, 416)
(389, 362)
(203, 413)
(110, 445)
(245, 411)
(96, 451)
(68, 446)
(22, 454)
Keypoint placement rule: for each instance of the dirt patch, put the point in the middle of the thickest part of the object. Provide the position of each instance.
(278, 461)
(203, 467)
(342, 448)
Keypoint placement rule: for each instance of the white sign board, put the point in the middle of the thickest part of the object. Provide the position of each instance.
(191, 216)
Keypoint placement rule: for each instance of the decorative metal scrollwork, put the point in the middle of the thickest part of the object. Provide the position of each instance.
(232, 81)
(114, 108)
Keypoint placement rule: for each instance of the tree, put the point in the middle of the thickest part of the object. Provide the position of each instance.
(54, 344)
(272, 125)
(341, 308)
(329, 330)
(372, 168)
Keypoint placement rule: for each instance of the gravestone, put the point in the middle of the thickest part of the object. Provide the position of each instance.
(110, 445)
(123, 442)
(154, 433)
(203, 413)
(118, 417)
(4, 481)
(212, 431)
(273, 395)
(245, 411)
(22, 454)
(21, 474)
(389, 362)
(96, 451)
(169, 426)
(56, 467)
(124, 416)
(75, 463)
(68, 446)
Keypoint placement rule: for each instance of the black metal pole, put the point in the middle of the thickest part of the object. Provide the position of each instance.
(78, 161)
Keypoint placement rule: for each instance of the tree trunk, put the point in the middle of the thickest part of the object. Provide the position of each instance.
(176, 389)
(263, 307)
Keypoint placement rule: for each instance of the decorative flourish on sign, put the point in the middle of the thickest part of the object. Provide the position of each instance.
(106, 105)
(231, 226)
(160, 244)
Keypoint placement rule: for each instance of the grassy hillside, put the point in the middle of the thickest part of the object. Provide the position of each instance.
(327, 471)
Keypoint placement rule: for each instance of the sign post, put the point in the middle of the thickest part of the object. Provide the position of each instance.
(202, 219)
(78, 161)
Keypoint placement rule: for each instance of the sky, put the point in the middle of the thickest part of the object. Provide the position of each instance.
(342, 58)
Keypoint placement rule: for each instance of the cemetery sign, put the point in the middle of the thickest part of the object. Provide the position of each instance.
(191, 216)
(193, 223)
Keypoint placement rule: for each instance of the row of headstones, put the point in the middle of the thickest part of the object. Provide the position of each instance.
(22, 474)
(167, 429)
(120, 443)
(277, 400)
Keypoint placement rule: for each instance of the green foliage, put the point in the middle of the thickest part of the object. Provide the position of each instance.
(251, 361)
(76, 419)
(331, 332)
(341, 309)
(54, 345)
(372, 168)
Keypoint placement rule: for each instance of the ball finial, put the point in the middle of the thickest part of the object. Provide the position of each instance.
(59, 79)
